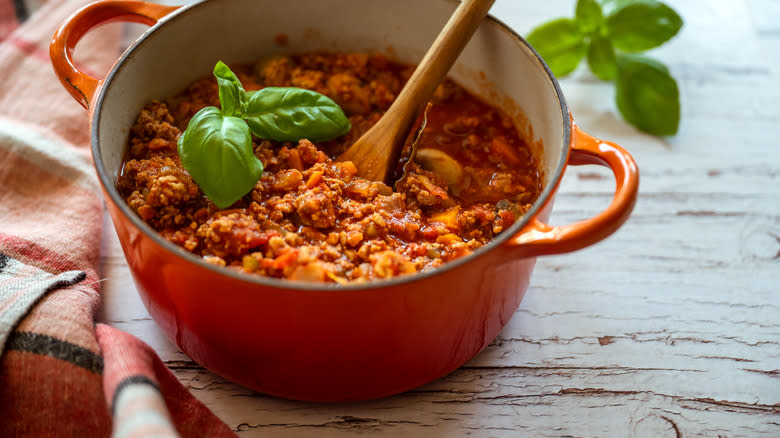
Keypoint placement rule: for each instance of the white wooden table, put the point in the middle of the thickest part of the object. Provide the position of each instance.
(669, 328)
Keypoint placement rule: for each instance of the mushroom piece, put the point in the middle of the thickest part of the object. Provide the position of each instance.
(441, 164)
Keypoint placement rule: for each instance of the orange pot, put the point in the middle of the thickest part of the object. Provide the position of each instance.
(330, 342)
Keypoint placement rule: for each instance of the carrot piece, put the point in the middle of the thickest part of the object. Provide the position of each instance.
(294, 159)
(286, 259)
(314, 179)
(448, 217)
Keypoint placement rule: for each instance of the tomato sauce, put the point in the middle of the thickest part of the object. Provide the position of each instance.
(310, 218)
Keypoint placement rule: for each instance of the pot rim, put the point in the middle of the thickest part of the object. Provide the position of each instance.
(110, 189)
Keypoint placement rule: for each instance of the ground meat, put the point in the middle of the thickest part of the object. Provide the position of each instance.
(231, 233)
(159, 187)
(311, 79)
(310, 218)
(154, 130)
(350, 93)
(425, 189)
(316, 210)
(276, 72)
(287, 180)
(310, 154)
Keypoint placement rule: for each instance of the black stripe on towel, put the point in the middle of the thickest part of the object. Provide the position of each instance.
(22, 13)
(45, 345)
(80, 276)
(138, 379)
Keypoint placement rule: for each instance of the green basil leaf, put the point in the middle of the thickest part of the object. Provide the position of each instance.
(601, 58)
(608, 7)
(290, 114)
(642, 25)
(217, 152)
(560, 43)
(588, 15)
(232, 96)
(647, 95)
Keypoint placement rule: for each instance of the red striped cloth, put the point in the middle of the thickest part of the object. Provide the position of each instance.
(11, 14)
(60, 374)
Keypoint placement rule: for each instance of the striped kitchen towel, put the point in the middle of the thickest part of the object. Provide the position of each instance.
(60, 374)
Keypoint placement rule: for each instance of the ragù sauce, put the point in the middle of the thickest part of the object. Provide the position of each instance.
(310, 218)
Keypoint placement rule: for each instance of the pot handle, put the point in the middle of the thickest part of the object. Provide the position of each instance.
(79, 84)
(538, 238)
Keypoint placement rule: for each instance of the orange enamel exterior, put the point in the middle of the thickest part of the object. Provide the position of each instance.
(321, 343)
(80, 85)
(538, 238)
(325, 345)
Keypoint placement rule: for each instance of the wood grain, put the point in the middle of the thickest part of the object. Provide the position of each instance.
(669, 328)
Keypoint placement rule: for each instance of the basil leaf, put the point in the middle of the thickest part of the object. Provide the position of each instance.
(601, 58)
(610, 6)
(647, 95)
(560, 43)
(290, 114)
(588, 15)
(642, 25)
(232, 96)
(217, 152)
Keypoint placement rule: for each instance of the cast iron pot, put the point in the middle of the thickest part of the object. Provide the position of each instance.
(331, 342)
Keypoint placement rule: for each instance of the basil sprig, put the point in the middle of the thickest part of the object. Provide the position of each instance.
(216, 148)
(609, 34)
(288, 114)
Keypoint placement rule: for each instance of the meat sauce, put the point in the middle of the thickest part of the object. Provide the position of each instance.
(309, 217)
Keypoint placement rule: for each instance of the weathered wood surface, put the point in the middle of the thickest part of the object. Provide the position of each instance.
(669, 328)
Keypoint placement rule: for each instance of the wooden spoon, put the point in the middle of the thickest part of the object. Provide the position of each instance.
(376, 152)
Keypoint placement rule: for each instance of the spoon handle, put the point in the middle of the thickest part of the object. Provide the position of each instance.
(377, 151)
(440, 57)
